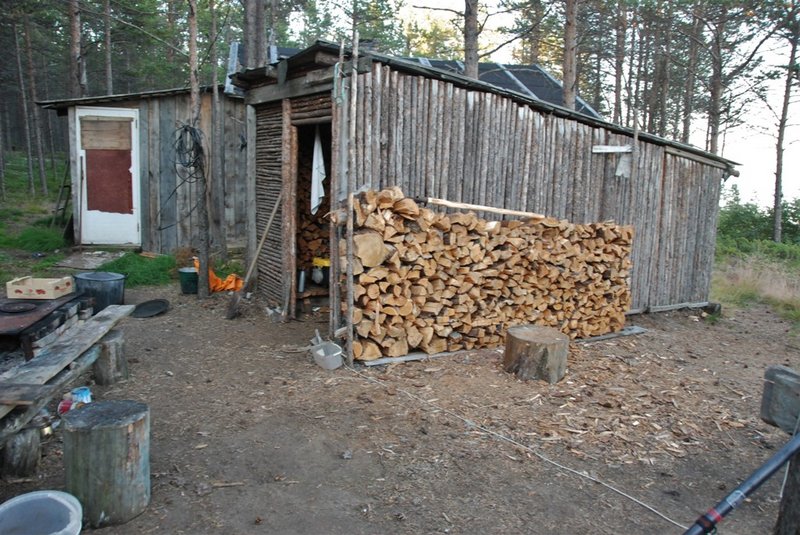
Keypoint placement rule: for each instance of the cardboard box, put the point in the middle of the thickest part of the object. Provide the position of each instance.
(30, 288)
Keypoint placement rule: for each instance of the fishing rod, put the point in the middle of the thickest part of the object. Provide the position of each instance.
(707, 522)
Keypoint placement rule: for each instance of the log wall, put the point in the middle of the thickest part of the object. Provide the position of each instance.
(269, 183)
(435, 139)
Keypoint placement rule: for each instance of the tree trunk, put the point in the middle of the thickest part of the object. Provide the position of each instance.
(777, 209)
(471, 33)
(691, 75)
(715, 88)
(77, 82)
(36, 113)
(217, 179)
(619, 59)
(570, 53)
(172, 33)
(2, 157)
(255, 47)
(107, 36)
(202, 207)
(23, 95)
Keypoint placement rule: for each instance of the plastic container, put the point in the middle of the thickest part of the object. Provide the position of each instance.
(44, 512)
(188, 277)
(327, 355)
(107, 288)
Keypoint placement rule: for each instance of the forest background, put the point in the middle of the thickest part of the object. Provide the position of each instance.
(713, 73)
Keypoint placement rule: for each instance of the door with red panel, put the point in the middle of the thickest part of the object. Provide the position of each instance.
(108, 176)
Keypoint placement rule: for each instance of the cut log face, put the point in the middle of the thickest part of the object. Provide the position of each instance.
(534, 352)
(107, 460)
(455, 281)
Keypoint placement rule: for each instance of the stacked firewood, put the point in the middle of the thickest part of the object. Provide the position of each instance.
(313, 232)
(443, 282)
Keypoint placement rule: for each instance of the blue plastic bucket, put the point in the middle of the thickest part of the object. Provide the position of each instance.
(105, 287)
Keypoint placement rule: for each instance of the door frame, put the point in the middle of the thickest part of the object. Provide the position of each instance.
(79, 186)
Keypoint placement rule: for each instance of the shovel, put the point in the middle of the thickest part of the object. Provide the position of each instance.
(233, 305)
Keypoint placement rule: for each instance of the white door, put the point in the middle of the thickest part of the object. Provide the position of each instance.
(108, 153)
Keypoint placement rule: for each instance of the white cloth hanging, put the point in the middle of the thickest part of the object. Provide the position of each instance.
(317, 174)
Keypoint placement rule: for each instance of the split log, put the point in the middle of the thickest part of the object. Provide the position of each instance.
(111, 366)
(107, 460)
(534, 352)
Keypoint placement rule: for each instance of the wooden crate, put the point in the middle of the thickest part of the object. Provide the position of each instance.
(31, 288)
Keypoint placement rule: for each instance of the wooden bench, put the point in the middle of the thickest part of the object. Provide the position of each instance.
(29, 387)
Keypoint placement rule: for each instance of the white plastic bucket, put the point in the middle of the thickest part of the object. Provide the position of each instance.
(44, 512)
(327, 355)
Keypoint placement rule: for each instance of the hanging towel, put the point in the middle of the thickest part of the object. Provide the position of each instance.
(317, 174)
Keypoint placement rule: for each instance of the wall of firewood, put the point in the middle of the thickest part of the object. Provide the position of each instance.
(313, 231)
(448, 281)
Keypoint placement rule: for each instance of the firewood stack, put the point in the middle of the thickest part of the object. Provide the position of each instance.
(312, 229)
(443, 282)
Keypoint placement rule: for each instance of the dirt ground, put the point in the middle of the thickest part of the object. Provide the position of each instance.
(249, 436)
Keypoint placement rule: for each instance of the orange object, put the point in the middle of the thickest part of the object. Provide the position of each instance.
(232, 282)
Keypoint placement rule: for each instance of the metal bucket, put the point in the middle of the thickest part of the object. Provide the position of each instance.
(105, 287)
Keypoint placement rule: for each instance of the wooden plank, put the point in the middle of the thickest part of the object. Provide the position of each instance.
(22, 394)
(153, 173)
(168, 203)
(249, 183)
(611, 149)
(145, 178)
(298, 87)
(14, 422)
(59, 355)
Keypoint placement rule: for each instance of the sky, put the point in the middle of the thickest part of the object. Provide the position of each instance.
(752, 144)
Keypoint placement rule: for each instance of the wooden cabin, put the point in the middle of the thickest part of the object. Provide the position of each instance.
(438, 134)
(127, 187)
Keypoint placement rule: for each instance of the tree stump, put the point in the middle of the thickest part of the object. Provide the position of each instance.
(21, 453)
(111, 366)
(534, 352)
(107, 460)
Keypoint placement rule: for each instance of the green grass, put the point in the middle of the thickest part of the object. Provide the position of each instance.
(25, 222)
(758, 271)
(143, 271)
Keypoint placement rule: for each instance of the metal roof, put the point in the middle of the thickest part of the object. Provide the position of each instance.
(62, 104)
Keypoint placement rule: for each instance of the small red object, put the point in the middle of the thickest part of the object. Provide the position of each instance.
(64, 405)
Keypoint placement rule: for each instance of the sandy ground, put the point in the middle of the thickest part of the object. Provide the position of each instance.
(249, 436)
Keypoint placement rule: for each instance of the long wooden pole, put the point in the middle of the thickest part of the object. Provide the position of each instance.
(351, 187)
(480, 208)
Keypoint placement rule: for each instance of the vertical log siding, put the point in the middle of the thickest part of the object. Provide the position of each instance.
(434, 139)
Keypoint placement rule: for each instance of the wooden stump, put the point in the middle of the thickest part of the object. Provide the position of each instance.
(107, 460)
(534, 352)
(21, 453)
(112, 366)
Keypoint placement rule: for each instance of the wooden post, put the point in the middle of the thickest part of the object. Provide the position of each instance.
(112, 366)
(107, 460)
(534, 352)
(789, 512)
(21, 453)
